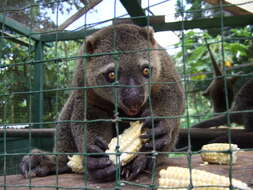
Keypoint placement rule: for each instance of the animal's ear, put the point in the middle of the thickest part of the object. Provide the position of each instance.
(90, 44)
(148, 33)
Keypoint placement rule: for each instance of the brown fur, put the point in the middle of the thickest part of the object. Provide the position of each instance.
(132, 42)
(243, 104)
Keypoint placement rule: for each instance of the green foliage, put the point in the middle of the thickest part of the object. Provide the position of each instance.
(13, 78)
(193, 8)
(17, 62)
(16, 77)
(58, 75)
(194, 60)
(236, 49)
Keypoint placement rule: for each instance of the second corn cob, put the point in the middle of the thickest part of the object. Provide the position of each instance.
(179, 178)
(219, 157)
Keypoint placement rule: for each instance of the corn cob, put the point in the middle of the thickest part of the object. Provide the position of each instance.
(129, 141)
(179, 178)
(219, 157)
(76, 163)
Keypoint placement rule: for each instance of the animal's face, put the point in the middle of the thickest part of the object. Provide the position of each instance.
(130, 68)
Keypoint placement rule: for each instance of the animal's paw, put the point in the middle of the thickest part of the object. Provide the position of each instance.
(100, 167)
(134, 168)
(159, 132)
(36, 165)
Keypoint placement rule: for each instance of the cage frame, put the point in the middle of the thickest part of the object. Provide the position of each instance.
(138, 16)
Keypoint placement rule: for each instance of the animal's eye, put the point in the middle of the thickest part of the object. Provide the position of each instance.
(146, 72)
(111, 76)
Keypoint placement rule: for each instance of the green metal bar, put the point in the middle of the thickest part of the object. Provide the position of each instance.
(233, 21)
(206, 23)
(37, 101)
(134, 9)
(66, 35)
(17, 27)
(1, 47)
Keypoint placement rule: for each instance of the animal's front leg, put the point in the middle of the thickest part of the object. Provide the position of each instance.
(37, 164)
(100, 167)
(156, 134)
(41, 163)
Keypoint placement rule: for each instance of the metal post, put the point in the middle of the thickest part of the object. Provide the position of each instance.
(37, 100)
(37, 97)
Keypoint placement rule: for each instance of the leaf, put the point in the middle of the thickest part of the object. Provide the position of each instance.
(199, 77)
(197, 53)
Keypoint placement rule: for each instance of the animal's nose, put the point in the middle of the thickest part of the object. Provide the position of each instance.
(132, 98)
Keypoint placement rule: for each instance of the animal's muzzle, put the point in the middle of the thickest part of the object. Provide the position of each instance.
(132, 100)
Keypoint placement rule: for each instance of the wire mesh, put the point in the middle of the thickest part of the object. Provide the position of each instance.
(37, 66)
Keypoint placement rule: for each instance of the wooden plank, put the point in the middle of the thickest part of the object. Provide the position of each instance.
(205, 23)
(152, 20)
(46, 132)
(246, 5)
(200, 137)
(235, 10)
(78, 14)
(195, 133)
(66, 35)
(210, 133)
(242, 170)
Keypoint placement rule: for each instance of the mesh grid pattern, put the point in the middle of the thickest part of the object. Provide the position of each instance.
(33, 90)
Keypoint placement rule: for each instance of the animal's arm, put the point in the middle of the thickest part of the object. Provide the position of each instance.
(88, 135)
(167, 99)
(168, 103)
(83, 132)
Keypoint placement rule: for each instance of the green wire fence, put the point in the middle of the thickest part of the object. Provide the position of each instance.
(36, 70)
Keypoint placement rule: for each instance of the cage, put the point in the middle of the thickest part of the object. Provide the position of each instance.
(207, 41)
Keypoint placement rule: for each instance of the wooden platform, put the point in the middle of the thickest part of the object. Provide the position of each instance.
(242, 170)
